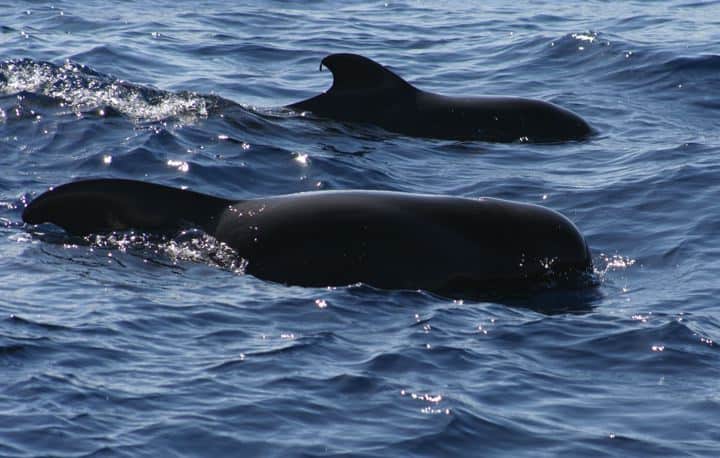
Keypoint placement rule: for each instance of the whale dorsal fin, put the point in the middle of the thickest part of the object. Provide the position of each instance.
(352, 72)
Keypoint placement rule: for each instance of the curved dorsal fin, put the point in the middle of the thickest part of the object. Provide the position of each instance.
(352, 72)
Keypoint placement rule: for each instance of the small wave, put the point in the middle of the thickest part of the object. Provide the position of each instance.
(667, 71)
(31, 324)
(705, 64)
(85, 91)
(654, 343)
(582, 45)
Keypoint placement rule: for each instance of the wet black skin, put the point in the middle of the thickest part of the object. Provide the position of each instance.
(365, 91)
(448, 245)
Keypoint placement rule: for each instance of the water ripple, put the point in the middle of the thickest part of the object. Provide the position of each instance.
(133, 344)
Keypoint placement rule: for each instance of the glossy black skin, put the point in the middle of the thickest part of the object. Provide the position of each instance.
(449, 245)
(365, 91)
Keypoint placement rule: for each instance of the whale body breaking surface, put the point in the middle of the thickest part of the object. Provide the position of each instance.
(452, 246)
(365, 91)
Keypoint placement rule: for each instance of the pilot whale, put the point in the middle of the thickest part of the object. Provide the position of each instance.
(453, 246)
(365, 91)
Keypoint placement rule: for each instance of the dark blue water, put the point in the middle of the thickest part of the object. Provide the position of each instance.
(127, 345)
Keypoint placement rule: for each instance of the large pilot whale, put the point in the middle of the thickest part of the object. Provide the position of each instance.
(458, 247)
(365, 91)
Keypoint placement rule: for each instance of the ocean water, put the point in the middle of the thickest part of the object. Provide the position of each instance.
(129, 345)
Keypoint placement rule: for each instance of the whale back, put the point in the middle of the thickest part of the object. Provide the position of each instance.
(399, 240)
(449, 245)
(104, 205)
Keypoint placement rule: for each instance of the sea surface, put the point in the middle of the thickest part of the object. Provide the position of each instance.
(126, 345)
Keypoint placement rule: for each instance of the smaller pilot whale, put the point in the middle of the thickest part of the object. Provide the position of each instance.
(458, 247)
(365, 91)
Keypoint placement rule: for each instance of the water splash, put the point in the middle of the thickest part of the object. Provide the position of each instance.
(189, 245)
(83, 90)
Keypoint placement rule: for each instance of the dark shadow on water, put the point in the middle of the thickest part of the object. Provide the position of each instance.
(557, 301)
(575, 299)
